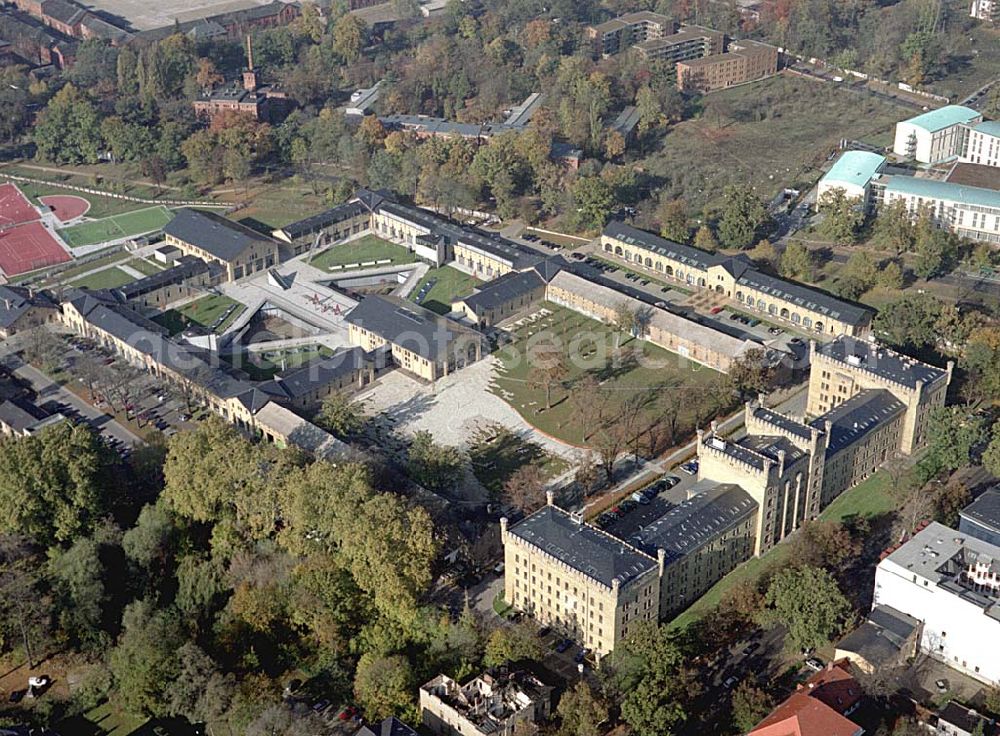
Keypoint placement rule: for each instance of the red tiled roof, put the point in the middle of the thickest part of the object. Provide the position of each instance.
(817, 708)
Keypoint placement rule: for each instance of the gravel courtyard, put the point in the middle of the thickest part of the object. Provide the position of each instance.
(453, 407)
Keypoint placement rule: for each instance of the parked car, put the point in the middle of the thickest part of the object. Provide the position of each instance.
(321, 705)
(774, 330)
(941, 685)
(640, 497)
(814, 664)
(628, 505)
(581, 655)
(715, 310)
(751, 648)
(347, 713)
(730, 682)
(544, 631)
(670, 481)
(690, 467)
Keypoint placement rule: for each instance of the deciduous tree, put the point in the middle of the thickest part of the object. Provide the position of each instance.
(808, 602)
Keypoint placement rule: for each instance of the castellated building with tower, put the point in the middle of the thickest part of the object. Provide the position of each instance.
(866, 404)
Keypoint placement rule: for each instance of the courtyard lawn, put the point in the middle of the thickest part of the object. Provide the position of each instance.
(868, 499)
(363, 250)
(208, 312)
(145, 266)
(634, 368)
(446, 284)
(104, 720)
(109, 278)
(116, 227)
(272, 362)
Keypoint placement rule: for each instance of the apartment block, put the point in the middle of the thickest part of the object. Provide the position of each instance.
(853, 174)
(689, 42)
(703, 538)
(616, 35)
(573, 576)
(968, 211)
(492, 704)
(981, 143)
(771, 469)
(745, 61)
(950, 582)
(846, 367)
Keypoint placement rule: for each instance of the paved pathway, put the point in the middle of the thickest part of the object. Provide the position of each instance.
(134, 273)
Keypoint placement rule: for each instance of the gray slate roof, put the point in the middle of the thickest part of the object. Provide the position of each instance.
(316, 223)
(743, 272)
(583, 547)
(408, 325)
(302, 381)
(857, 417)
(224, 239)
(716, 508)
(881, 637)
(15, 301)
(187, 267)
(779, 420)
(668, 248)
(882, 361)
(806, 297)
(391, 726)
(502, 290)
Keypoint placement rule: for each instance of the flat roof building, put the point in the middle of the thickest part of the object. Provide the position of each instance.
(934, 136)
(746, 61)
(949, 582)
(852, 173)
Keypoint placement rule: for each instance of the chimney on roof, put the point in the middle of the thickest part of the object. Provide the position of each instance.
(781, 462)
(550, 498)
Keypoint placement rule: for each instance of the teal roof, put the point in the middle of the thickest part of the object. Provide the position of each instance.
(989, 127)
(855, 167)
(943, 117)
(932, 189)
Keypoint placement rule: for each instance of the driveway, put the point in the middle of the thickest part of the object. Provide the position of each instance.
(452, 408)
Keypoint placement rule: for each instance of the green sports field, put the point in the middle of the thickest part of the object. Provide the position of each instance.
(125, 225)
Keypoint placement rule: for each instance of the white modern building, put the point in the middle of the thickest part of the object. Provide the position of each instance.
(981, 144)
(969, 212)
(984, 9)
(951, 582)
(853, 173)
(934, 136)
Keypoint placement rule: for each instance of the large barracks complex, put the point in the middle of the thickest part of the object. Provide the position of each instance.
(865, 404)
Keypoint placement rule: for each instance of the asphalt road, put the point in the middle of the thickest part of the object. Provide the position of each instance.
(48, 390)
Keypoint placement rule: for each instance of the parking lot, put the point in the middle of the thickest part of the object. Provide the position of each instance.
(146, 403)
(626, 518)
